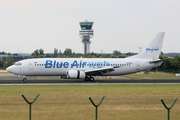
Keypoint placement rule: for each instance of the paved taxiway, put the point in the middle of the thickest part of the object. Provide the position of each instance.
(2, 82)
(10, 79)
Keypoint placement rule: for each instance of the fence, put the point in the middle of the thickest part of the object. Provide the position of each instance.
(97, 105)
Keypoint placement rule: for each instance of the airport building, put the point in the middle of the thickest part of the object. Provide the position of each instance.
(86, 33)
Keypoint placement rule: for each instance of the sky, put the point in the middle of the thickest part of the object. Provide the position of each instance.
(123, 25)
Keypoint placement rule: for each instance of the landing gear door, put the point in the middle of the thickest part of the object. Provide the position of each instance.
(30, 65)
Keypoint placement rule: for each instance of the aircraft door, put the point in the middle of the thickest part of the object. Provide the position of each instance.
(20, 68)
(30, 65)
(137, 65)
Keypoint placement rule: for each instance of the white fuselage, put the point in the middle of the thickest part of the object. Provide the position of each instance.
(60, 66)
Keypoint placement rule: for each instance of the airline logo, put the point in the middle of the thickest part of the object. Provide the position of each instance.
(74, 64)
(151, 50)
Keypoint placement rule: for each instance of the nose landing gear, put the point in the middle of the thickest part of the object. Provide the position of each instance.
(24, 79)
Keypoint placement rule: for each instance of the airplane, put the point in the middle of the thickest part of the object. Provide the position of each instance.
(87, 68)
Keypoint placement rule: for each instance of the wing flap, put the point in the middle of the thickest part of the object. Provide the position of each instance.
(99, 71)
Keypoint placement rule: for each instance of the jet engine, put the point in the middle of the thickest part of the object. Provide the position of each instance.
(76, 74)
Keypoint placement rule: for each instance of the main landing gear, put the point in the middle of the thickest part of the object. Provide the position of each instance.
(89, 78)
(24, 79)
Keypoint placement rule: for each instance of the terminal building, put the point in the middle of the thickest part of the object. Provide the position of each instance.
(86, 33)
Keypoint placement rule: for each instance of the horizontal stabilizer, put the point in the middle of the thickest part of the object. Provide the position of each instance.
(160, 60)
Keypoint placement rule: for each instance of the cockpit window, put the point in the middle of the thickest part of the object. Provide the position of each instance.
(17, 63)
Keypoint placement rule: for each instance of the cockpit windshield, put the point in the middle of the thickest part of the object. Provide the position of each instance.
(17, 63)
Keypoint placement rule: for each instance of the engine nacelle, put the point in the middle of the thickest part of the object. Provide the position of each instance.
(76, 74)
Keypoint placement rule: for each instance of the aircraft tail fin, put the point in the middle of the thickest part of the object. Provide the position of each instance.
(153, 49)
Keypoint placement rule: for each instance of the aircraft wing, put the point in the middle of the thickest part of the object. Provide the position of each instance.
(99, 71)
(160, 60)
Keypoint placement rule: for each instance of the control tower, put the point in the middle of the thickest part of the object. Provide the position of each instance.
(86, 33)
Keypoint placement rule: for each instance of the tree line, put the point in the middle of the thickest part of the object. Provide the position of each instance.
(39, 53)
(172, 65)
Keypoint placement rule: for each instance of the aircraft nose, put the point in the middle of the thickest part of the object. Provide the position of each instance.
(9, 69)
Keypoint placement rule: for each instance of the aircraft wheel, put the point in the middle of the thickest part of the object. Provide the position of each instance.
(91, 78)
(87, 78)
(24, 79)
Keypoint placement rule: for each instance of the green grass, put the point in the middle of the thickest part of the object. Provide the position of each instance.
(70, 102)
(152, 75)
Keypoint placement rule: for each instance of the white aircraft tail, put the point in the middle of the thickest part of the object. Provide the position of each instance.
(153, 50)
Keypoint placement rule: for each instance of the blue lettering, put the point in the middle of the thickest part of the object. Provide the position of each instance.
(92, 65)
(54, 64)
(151, 49)
(80, 64)
(99, 64)
(84, 63)
(106, 63)
(66, 64)
(48, 64)
(59, 64)
(74, 64)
